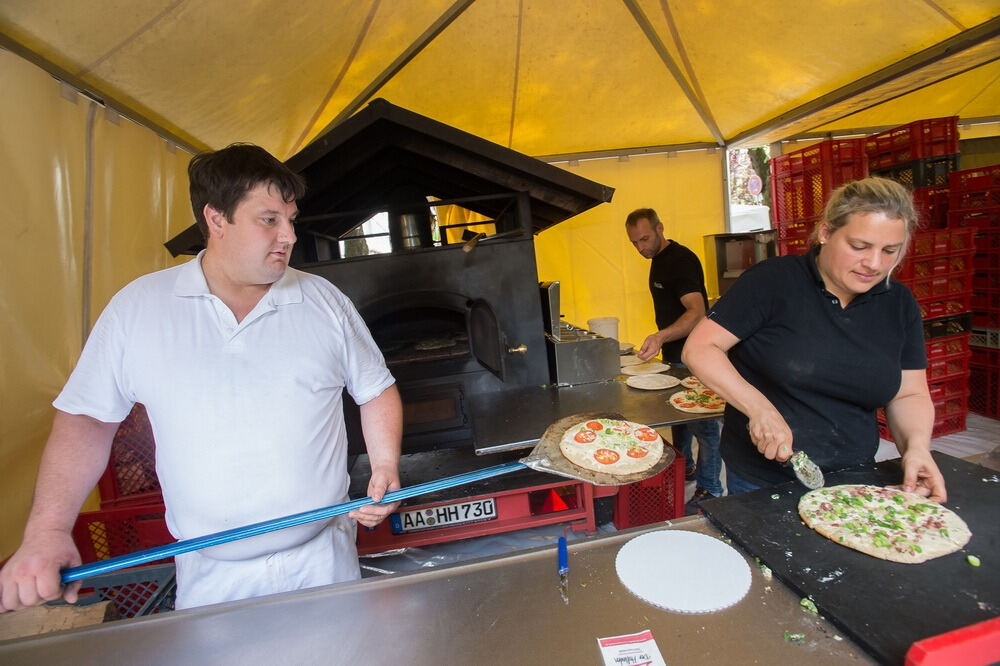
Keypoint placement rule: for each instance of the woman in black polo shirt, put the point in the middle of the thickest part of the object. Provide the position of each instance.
(816, 343)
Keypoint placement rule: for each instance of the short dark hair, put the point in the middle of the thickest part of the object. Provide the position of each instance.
(642, 214)
(222, 178)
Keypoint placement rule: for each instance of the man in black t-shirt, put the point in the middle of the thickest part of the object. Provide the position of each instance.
(677, 284)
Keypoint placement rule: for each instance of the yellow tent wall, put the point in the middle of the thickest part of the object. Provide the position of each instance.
(74, 177)
(600, 273)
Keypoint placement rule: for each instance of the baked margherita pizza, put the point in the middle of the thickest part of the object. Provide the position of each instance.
(884, 522)
(697, 401)
(612, 446)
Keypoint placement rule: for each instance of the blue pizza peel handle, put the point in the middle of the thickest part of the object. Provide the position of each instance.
(188, 545)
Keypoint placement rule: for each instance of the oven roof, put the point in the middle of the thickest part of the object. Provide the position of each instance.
(355, 164)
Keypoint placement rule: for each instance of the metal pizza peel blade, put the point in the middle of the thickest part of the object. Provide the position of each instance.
(547, 457)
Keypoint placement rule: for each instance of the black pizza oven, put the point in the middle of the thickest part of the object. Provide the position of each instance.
(454, 319)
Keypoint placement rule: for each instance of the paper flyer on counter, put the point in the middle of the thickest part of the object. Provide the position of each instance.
(631, 650)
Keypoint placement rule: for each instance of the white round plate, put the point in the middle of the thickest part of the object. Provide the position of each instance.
(629, 359)
(720, 579)
(653, 382)
(645, 368)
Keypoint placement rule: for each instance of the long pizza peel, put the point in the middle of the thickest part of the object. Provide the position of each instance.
(541, 458)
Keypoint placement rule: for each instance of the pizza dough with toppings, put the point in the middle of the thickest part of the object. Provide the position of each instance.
(692, 382)
(884, 522)
(697, 401)
(612, 446)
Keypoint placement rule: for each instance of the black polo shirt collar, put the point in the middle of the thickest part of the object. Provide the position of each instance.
(811, 258)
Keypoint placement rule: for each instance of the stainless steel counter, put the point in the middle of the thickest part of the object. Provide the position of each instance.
(516, 419)
(502, 610)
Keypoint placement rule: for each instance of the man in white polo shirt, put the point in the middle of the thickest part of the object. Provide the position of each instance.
(240, 362)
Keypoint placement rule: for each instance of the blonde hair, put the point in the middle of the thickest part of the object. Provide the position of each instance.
(870, 195)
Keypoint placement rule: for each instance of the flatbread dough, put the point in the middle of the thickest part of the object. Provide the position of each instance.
(435, 343)
(884, 522)
(645, 368)
(653, 382)
(629, 359)
(625, 347)
(612, 446)
(698, 401)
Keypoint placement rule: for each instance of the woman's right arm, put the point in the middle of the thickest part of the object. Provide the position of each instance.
(705, 354)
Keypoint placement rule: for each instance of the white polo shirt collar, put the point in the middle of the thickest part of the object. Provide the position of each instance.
(191, 282)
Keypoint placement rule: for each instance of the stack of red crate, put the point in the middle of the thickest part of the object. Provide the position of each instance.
(938, 269)
(801, 183)
(975, 206)
(920, 155)
(131, 516)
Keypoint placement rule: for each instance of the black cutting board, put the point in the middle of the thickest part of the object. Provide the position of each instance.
(884, 606)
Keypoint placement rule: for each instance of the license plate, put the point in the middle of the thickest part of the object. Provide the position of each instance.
(448, 515)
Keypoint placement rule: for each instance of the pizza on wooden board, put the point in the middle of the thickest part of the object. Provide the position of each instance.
(697, 401)
(884, 522)
(612, 446)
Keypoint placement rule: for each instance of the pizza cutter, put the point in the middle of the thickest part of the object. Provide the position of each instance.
(541, 458)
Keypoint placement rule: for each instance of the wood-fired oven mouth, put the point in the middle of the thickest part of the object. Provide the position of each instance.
(419, 335)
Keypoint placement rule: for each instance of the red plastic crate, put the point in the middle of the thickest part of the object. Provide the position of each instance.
(953, 305)
(948, 366)
(794, 246)
(986, 281)
(935, 266)
(920, 139)
(974, 199)
(568, 502)
(801, 181)
(989, 319)
(120, 531)
(986, 300)
(940, 288)
(653, 500)
(949, 388)
(925, 172)
(986, 262)
(980, 178)
(947, 346)
(944, 426)
(984, 390)
(130, 477)
(796, 229)
(981, 218)
(932, 205)
(985, 357)
(939, 242)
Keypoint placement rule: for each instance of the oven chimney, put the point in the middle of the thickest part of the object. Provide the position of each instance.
(409, 219)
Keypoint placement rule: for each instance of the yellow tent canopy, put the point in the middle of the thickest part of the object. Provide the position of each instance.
(544, 77)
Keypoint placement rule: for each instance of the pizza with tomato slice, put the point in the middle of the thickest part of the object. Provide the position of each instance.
(612, 446)
(698, 401)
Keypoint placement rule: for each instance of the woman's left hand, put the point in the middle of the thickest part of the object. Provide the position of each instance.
(922, 476)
